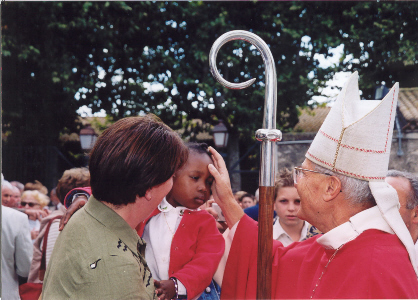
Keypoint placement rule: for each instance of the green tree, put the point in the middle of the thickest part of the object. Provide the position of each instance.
(106, 53)
(381, 42)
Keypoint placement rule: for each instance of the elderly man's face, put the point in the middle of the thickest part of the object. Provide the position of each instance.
(7, 197)
(309, 193)
(16, 197)
(403, 188)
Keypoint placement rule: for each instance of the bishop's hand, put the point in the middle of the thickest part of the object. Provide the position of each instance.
(221, 190)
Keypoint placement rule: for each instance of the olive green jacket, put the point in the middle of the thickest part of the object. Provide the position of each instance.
(98, 256)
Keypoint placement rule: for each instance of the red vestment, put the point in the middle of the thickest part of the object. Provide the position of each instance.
(374, 265)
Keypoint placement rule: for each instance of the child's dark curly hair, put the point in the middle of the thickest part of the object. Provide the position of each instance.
(200, 148)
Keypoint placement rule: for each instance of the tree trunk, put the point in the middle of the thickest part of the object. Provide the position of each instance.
(232, 159)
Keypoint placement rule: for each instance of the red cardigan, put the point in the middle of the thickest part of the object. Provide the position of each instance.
(196, 250)
(374, 265)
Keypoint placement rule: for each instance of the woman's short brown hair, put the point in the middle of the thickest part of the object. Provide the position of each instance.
(72, 178)
(133, 155)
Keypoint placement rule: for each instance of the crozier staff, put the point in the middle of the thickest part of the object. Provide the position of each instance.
(364, 251)
(99, 255)
(268, 136)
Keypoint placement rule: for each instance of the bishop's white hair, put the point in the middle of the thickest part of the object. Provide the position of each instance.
(355, 190)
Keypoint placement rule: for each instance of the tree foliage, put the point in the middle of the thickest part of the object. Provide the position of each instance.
(53, 50)
(381, 42)
(107, 54)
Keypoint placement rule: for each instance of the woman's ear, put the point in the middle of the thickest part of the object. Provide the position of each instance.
(148, 194)
(332, 188)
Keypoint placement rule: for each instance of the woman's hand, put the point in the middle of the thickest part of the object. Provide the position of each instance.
(34, 233)
(36, 213)
(78, 203)
(221, 190)
(208, 207)
(165, 289)
(222, 226)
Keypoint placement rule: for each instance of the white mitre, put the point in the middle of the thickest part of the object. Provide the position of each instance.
(355, 141)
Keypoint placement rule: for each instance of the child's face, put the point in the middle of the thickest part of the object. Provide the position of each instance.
(247, 202)
(192, 183)
(287, 205)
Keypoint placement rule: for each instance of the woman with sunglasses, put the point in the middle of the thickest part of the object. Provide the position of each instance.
(36, 200)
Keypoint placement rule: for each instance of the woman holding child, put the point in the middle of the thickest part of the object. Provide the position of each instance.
(184, 245)
(98, 255)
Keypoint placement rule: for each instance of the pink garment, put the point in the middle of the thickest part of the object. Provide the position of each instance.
(37, 251)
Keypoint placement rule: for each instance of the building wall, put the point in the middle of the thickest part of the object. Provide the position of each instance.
(409, 160)
(291, 151)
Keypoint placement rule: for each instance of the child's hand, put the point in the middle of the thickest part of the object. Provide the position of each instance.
(78, 203)
(165, 289)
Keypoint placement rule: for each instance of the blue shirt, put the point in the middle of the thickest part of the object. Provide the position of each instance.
(252, 212)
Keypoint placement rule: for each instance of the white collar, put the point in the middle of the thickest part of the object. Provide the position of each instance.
(278, 229)
(366, 219)
(164, 206)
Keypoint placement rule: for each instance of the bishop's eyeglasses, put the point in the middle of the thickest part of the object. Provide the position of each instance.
(298, 172)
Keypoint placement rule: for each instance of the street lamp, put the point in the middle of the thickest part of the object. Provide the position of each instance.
(220, 135)
(87, 138)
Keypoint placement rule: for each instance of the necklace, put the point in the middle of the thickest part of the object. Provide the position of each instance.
(171, 231)
(320, 277)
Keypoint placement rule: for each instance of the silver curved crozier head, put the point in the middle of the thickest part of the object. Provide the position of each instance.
(222, 40)
(270, 71)
(269, 134)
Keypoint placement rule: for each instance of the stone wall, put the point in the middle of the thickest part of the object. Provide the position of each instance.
(409, 160)
(291, 151)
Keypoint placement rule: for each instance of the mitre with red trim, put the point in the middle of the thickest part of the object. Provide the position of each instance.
(356, 136)
(355, 140)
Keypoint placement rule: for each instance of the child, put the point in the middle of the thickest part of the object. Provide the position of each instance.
(287, 227)
(247, 200)
(184, 245)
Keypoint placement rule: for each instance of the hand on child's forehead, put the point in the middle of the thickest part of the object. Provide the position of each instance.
(197, 161)
(193, 154)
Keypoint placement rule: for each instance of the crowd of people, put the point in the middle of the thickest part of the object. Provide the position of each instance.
(287, 227)
(154, 217)
(31, 203)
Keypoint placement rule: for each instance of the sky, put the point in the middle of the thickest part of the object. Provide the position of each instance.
(333, 86)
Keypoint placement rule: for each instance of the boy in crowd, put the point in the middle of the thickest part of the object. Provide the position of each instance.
(287, 227)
